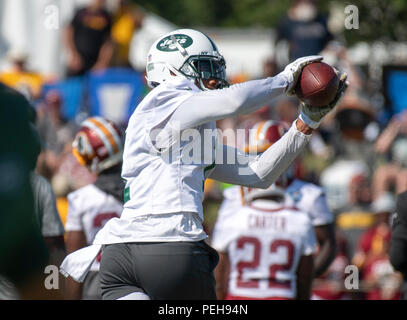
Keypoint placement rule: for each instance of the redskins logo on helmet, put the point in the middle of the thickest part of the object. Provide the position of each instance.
(98, 144)
(260, 137)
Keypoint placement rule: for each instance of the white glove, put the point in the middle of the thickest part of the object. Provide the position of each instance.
(312, 116)
(293, 70)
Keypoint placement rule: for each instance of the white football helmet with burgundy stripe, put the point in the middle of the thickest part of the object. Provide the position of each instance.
(98, 144)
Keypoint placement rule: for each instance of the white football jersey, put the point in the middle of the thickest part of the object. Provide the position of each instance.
(264, 243)
(311, 199)
(89, 208)
(302, 195)
(162, 175)
(164, 184)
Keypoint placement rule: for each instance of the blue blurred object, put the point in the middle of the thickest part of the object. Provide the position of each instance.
(71, 90)
(395, 88)
(114, 93)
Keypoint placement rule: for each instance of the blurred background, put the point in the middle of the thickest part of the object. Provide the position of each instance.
(78, 58)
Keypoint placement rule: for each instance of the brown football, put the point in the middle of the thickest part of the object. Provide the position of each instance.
(317, 84)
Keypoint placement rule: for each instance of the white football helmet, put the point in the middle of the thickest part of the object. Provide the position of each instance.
(185, 53)
(251, 194)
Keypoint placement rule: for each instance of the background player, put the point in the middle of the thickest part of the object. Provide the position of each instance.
(303, 195)
(98, 146)
(265, 250)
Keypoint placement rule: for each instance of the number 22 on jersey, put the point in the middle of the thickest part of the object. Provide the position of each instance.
(254, 263)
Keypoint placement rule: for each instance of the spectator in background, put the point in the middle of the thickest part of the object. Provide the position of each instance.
(398, 242)
(336, 54)
(88, 39)
(353, 116)
(55, 132)
(393, 143)
(376, 239)
(270, 68)
(305, 29)
(355, 217)
(330, 285)
(126, 21)
(20, 78)
(352, 144)
(380, 281)
(353, 158)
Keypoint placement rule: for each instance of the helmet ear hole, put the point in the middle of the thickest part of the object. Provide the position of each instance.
(81, 149)
(81, 144)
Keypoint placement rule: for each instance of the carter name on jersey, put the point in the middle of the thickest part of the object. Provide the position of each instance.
(267, 222)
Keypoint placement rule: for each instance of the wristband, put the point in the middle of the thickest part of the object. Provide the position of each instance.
(308, 121)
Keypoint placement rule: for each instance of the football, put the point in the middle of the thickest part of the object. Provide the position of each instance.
(317, 84)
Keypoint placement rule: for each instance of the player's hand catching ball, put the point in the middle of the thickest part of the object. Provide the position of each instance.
(293, 70)
(312, 116)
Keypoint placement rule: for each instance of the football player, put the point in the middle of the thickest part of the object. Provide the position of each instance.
(266, 250)
(303, 195)
(98, 146)
(156, 249)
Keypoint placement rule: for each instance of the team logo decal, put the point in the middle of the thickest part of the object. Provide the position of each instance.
(166, 44)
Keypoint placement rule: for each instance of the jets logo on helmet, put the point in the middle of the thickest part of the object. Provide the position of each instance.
(167, 44)
(98, 144)
(185, 53)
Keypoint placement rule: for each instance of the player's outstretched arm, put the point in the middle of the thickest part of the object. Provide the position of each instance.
(238, 99)
(261, 171)
(242, 98)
